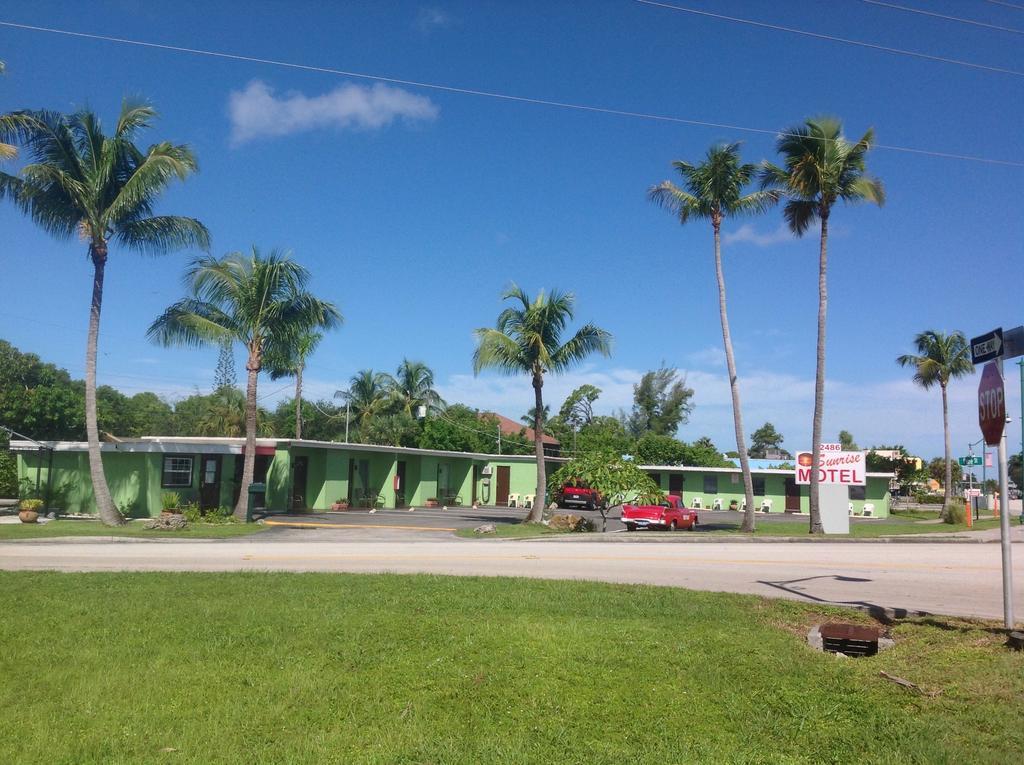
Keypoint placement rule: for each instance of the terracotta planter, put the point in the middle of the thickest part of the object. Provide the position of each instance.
(28, 516)
(337, 506)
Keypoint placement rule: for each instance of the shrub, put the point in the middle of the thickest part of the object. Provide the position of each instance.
(217, 515)
(170, 500)
(928, 499)
(956, 514)
(192, 512)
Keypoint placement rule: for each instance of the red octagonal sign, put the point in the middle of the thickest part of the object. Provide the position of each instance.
(991, 404)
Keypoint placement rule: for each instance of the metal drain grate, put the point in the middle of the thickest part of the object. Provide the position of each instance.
(850, 639)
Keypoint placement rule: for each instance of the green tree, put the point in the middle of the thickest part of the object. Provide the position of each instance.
(661, 401)
(820, 167)
(224, 374)
(763, 439)
(292, 364)
(393, 429)
(260, 302)
(846, 441)
(38, 399)
(82, 183)
(940, 358)
(655, 449)
(321, 420)
(605, 434)
(704, 453)
(616, 480)
(530, 417)
(527, 339)
(8, 469)
(461, 429)
(412, 387)
(937, 470)
(712, 191)
(368, 396)
(1013, 466)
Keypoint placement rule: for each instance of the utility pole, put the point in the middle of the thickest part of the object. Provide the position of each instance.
(499, 438)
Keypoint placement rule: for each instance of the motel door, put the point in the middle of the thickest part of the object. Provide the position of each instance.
(501, 489)
(300, 469)
(792, 494)
(209, 482)
(400, 484)
(675, 484)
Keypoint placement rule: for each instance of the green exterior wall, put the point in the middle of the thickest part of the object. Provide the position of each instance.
(134, 479)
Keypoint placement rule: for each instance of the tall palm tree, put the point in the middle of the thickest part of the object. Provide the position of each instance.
(531, 416)
(713, 190)
(939, 359)
(368, 395)
(100, 188)
(527, 338)
(413, 387)
(258, 301)
(7, 126)
(820, 167)
(293, 365)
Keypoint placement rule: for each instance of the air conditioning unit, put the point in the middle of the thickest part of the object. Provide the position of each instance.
(487, 470)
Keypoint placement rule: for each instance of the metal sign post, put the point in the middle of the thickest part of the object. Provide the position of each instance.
(991, 348)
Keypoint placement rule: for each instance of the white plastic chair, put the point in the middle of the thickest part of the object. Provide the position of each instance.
(869, 510)
(513, 500)
(528, 500)
(697, 503)
(717, 505)
(851, 508)
(766, 505)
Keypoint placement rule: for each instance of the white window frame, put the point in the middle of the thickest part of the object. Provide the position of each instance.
(164, 472)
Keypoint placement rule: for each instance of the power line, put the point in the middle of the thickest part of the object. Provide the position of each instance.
(832, 38)
(506, 96)
(1006, 4)
(958, 19)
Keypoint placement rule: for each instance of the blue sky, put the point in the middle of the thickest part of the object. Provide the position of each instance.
(413, 208)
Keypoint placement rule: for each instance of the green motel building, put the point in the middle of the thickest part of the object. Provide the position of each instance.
(293, 475)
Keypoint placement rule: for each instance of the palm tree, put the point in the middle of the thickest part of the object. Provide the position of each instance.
(711, 191)
(413, 387)
(260, 302)
(820, 167)
(939, 359)
(7, 126)
(527, 338)
(83, 183)
(293, 365)
(368, 395)
(530, 417)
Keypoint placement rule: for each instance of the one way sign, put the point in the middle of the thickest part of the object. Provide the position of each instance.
(987, 347)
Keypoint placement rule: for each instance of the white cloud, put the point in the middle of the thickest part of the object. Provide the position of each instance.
(712, 356)
(748, 234)
(432, 17)
(256, 112)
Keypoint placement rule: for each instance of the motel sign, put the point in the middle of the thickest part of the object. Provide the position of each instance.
(835, 467)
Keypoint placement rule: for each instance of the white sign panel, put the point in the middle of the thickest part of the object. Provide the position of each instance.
(835, 467)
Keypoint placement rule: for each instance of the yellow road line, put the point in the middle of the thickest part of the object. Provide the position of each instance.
(302, 525)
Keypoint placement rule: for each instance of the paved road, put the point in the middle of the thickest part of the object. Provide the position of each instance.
(957, 579)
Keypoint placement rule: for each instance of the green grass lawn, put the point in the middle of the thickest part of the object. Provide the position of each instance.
(315, 668)
(88, 528)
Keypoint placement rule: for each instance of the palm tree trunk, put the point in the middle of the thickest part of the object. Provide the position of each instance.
(730, 362)
(819, 375)
(252, 368)
(108, 513)
(298, 402)
(949, 462)
(537, 511)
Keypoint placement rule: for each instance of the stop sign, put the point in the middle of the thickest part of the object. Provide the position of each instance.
(991, 404)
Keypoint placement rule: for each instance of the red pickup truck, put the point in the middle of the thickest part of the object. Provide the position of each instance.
(669, 514)
(582, 497)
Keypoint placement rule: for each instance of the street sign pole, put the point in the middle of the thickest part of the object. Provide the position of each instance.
(969, 510)
(1004, 528)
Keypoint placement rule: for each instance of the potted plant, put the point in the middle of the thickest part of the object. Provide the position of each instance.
(170, 501)
(432, 502)
(340, 504)
(28, 510)
(733, 504)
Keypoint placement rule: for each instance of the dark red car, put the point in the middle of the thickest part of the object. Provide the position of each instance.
(669, 514)
(579, 496)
